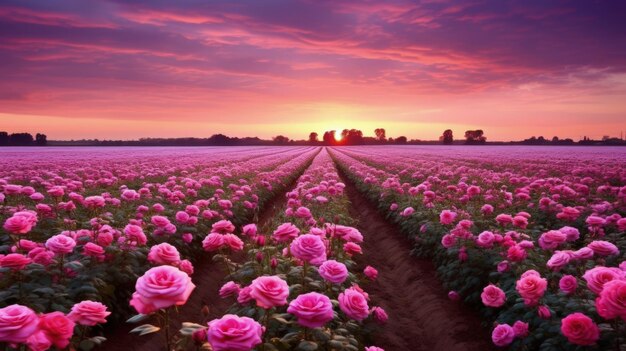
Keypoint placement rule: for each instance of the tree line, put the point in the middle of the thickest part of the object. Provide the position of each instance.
(22, 139)
(330, 138)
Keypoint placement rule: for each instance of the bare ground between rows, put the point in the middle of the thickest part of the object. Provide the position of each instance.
(208, 277)
(421, 317)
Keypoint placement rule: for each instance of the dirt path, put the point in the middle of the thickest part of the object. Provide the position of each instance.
(208, 277)
(421, 317)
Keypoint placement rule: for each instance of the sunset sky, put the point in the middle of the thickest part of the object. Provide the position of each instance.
(164, 68)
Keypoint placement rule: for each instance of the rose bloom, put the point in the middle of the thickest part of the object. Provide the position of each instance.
(213, 242)
(93, 250)
(493, 296)
(17, 323)
(612, 300)
(568, 284)
(309, 248)
(516, 253)
(447, 217)
(223, 227)
(312, 310)
(354, 304)
(559, 260)
(380, 315)
(531, 288)
(598, 276)
(89, 313)
(370, 272)
(453, 295)
(244, 295)
(14, 261)
(603, 248)
(374, 348)
(135, 234)
(234, 333)
(352, 248)
(163, 254)
(38, 342)
(269, 291)
(233, 242)
(186, 266)
(521, 329)
(333, 271)
(552, 239)
(580, 329)
(60, 244)
(161, 287)
(58, 328)
(249, 230)
(285, 232)
(502, 335)
(20, 223)
(230, 288)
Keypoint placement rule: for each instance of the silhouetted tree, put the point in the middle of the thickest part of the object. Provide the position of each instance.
(351, 137)
(4, 138)
(555, 139)
(380, 134)
(401, 140)
(21, 139)
(313, 137)
(219, 139)
(475, 137)
(329, 137)
(41, 139)
(280, 139)
(447, 137)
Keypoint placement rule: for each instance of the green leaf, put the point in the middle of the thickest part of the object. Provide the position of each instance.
(145, 329)
(306, 345)
(137, 318)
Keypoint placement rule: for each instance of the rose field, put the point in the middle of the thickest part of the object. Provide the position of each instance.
(313, 248)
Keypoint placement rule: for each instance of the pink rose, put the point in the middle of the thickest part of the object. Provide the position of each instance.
(598, 276)
(502, 335)
(58, 328)
(234, 333)
(21, 222)
(285, 232)
(223, 227)
(93, 250)
(312, 310)
(612, 300)
(447, 217)
(559, 260)
(380, 315)
(568, 284)
(244, 295)
(89, 313)
(213, 242)
(493, 296)
(453, 295)
(269, 291)
(603, 248)
(17, 323)
(249, 230)
(352, 248)
(374, 348)
(233, 242)
(228, 289)
(309, 248)
(60, 244)
(163, 254)
(135, 235)
(521, 329)
(333, 271)
(161, 287)
(531, 288)
(14, 261)
(580, 329)
(186, 266)
(552, 239)
(370, 272)
(354, 304)
(160, 221)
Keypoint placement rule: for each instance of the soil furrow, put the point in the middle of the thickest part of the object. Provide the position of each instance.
(421, 317)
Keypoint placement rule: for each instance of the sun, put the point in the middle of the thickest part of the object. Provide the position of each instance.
(338, 136)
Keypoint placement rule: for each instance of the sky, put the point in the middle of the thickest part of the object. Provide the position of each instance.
(76, 69)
